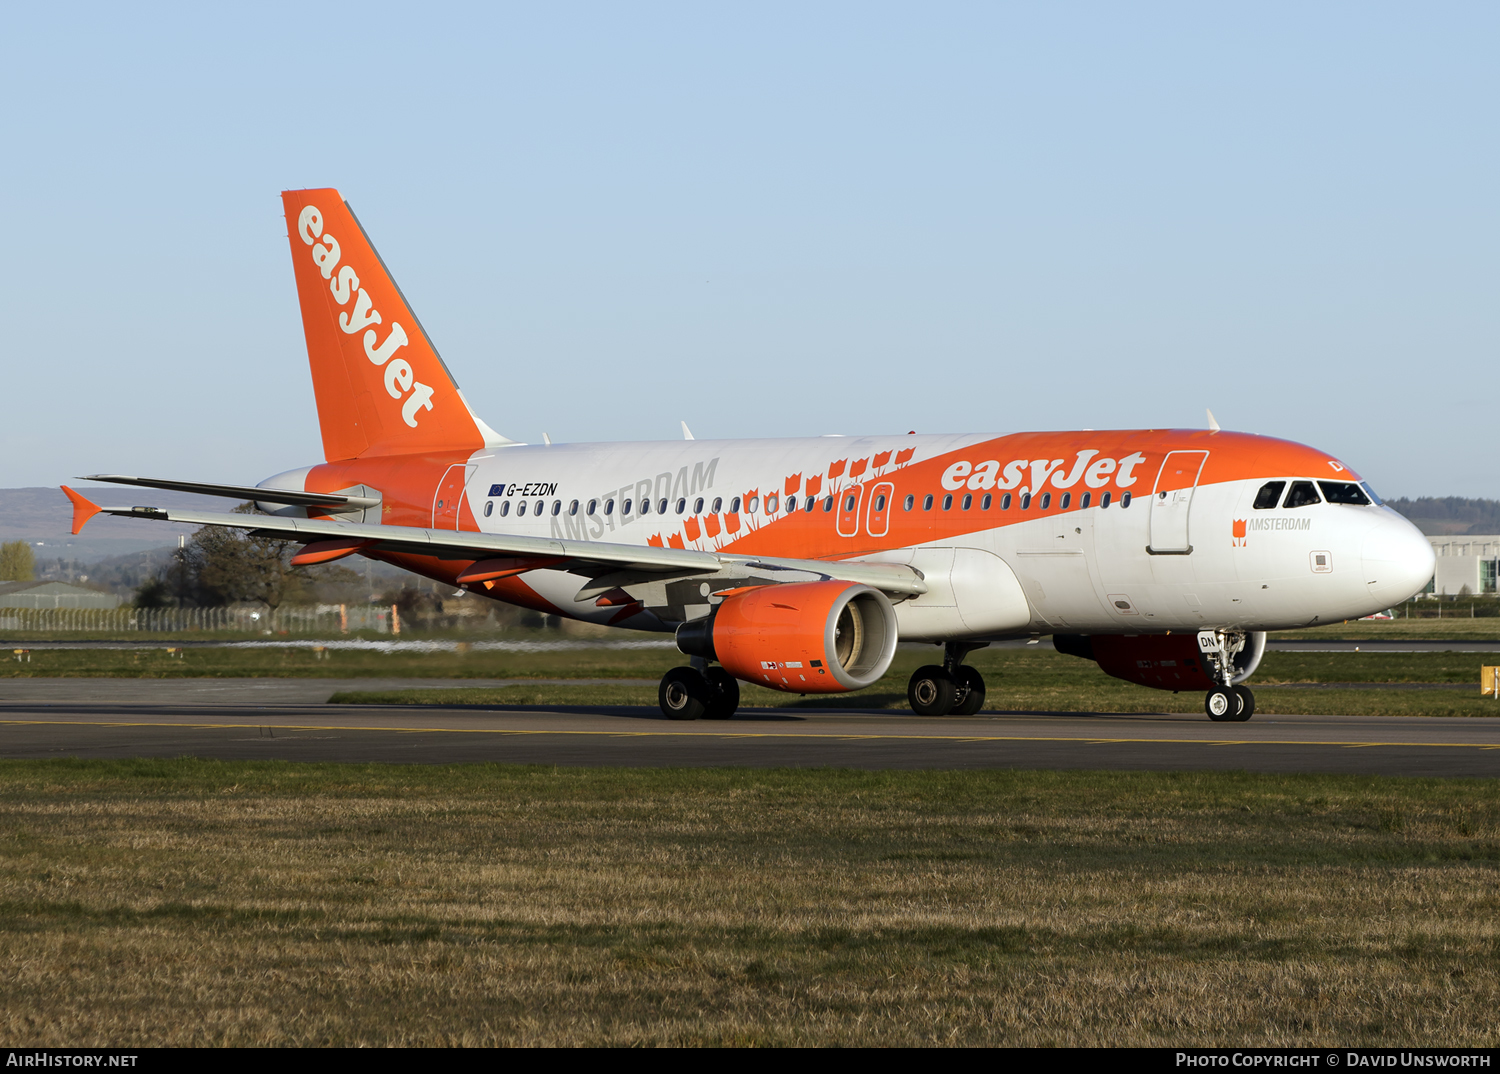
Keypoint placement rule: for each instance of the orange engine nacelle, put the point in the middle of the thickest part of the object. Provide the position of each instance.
(801, 637)
(1164, 661)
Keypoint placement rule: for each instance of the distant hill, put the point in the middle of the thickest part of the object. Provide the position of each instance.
(44, 517)
(1442, 516)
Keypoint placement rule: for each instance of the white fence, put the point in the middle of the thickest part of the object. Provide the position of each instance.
(306, 619)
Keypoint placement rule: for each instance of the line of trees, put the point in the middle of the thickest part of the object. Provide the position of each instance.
(222, 566)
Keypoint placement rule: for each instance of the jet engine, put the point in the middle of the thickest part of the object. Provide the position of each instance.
(1164, 661)
(801, 637)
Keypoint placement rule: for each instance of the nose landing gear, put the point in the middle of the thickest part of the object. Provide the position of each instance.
(1226, 703)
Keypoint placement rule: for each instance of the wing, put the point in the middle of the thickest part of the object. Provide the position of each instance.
(609, 564)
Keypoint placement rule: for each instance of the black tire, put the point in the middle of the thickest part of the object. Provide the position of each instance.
(724, 694)
(931, 692)
(683, 695)
(1223, 706)
(1247, 703)
(970, 688)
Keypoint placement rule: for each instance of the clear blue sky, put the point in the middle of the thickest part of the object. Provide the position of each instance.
(768, 221)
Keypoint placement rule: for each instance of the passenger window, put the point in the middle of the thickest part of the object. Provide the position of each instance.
(718, 504)
(661, 506)
(1124, 500)
(557, 507)
(1344, 492)
(909, 502)
(698, 506)
(1269, 495)
(1103, 501)
(927, 502)
(1025, 500)
(828, 503)
(681, 504)
(1084, 503)
(609, 507)
(625, 508)
(593, 506)
(504, 508)
(967, 502)
(1302, 495)
(645, 507)
(751, 504)
(771, 504)
(734, 506)
(791, 503)
(1046, 500)
(985, 501)
(1005, 502)
(880, 502)
(573, 508)
(1066, 500)
(520, 508)
(489, 508)
(948, 502)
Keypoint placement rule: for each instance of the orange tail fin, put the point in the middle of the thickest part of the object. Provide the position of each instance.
(382, 388)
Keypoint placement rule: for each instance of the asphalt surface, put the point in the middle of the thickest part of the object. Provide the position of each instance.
(289, 719)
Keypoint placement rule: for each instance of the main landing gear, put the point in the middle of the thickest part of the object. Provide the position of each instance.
(686, 693)
(952, 689)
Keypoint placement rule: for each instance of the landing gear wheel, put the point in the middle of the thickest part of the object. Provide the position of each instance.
(931, 692)
(970, 688)
(724, 694)
(1223, 706)
(684, 694)
(1247, 703)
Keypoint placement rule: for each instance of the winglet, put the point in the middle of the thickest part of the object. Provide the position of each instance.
(1213, 426)
(687, 434)
(83, 510)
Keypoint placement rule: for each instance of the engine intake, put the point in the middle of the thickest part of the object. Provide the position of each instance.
(801, 637)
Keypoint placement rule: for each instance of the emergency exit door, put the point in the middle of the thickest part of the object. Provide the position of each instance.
(1171, 503)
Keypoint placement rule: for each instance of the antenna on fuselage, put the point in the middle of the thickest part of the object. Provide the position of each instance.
(1213, 426)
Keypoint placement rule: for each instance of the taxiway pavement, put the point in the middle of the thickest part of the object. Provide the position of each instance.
(289, 719)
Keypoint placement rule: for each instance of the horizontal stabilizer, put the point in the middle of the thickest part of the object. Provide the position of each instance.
(244, 492)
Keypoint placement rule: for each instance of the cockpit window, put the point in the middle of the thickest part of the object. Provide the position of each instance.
(1301, 495)
(1343, 492)
(1370, 493)
(1269, 495)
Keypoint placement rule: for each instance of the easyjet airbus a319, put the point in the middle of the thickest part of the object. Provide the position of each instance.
(1164, 555)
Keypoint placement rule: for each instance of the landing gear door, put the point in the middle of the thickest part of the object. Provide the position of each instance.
(1171, 501)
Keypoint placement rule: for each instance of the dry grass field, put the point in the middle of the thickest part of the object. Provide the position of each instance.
(190, 902)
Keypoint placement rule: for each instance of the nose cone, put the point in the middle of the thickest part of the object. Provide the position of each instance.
(1397, 559)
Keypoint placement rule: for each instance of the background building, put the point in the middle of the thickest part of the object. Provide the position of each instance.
(53, 595)
(1465, 564)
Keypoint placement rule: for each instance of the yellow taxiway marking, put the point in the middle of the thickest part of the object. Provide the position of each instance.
(1089, 741)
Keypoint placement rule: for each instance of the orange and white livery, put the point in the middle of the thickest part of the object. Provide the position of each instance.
(797, 564)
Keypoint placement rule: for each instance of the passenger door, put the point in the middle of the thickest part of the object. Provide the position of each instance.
(1171, 502)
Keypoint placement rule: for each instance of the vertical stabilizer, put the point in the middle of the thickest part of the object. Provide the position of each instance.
(382, 388)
